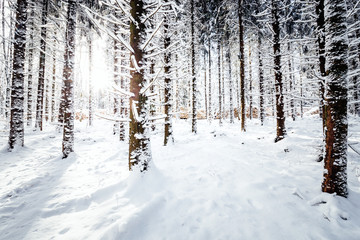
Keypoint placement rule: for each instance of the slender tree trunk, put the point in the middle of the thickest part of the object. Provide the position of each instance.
(168, 133)
(193, 77)
(47, 91)
(139, 141)
(250, 86)
(219, 80)
(91, 113)
(320, 9)
(53, 87)
(301, 85)
(280, 116)
(335, 162)
(123, 85)
(30, 65)
(261, 82)
(116, 76)
(291, 81)
(16, 136)
(205, 86)
(41, 79)
(68, 77)
(223, 82)
(209, 63)
(7, 60)
(242, 65)
(177, 92)
(228, 58)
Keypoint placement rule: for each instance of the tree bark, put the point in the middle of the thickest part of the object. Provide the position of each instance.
(168, 133)
(53, 87)
(280, 116)
(250, 86)
(242, 66)
(41, 79)
(193, 77)
(205, 88)
(91, 113)
(219, 79)
(139, 142)
(30, 65)
(291, 82)
(228, 58)
(16, 136)
(261, 82)
(68, 78)
(335, 161)
(209, 101)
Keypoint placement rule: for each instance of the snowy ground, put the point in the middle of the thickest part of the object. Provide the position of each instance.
(219, 184)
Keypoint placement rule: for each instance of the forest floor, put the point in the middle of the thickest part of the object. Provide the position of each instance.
(218, 184)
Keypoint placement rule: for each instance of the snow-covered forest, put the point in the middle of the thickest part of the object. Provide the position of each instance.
(169, 119)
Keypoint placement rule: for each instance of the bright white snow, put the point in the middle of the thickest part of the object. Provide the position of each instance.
(218, 184)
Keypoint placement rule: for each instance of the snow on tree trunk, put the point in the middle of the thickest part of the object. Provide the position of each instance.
(41, 79)
(250, 86)
(209, 63)
(139, 141)
(320, 21)
(228, 58)
(242, 65)
(261, 82)
(280, 116)
(90, 81)
(168, 133)
(123, 85)
(193, 77)
(335, 161)
(16, 136)
(68, 78)
(53, 87)
(291, 82)
(30, 66)
(219, 79)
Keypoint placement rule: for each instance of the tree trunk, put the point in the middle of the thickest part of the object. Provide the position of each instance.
(291, 81)
(228, 58)
(30, 65)
(242, 66)
(223, 83)
(41, 79)
(68, 78)
(53, 87)
(219, 80)
(16, 136)
(116, 76)
(209, 63)
(168, 133)
(7, 60)
(139, 141)
(261, 82)
(123, 85)
(205, 86)
(335, 161)
(250, 86)
(321, 52)
(280, 117)
(193, 77)
(91, 113)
